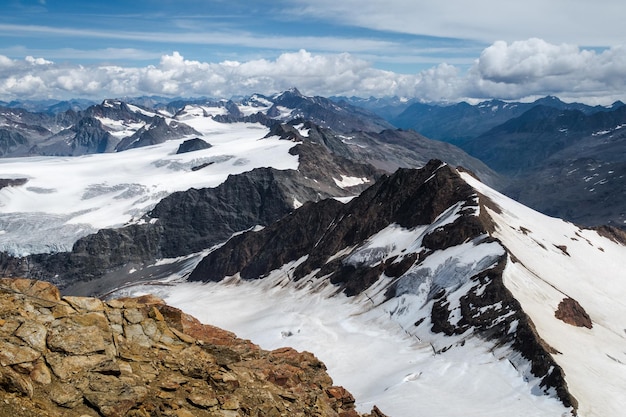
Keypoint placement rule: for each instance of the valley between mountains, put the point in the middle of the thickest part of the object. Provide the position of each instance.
(310, 223)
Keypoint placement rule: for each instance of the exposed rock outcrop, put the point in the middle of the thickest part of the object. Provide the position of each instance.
(196, 219)
(408, 198)
(334, 242)
(76, 356)
(191, 145)
(11, 141)
(12, 182)
(157, 131)
(571, 312)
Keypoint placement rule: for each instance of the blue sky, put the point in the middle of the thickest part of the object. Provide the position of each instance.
(437, 51)
(140, 32)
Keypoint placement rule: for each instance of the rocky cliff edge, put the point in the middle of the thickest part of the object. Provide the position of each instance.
(79, 356)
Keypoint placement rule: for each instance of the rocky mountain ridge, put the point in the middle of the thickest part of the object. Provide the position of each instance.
(194, 220)
(330, 241)
(115, 125)
(459, 122)
(563, 159)
(76, 356)
(197, 219)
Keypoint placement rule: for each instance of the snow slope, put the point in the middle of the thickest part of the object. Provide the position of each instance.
(371, 343)
(70, 197)
(587, 267)
(364, 350)
(372, 347)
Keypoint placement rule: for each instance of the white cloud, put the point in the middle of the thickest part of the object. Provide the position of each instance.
(37, 61)
(5, 62)
(514, 70)
(530, 60)
(535, 67)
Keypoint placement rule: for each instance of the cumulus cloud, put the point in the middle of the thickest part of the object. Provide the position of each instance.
(37, 61)
(530, 60)
(516, 70)
(535, 67)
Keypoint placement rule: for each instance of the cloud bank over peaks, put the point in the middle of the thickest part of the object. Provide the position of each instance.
(517, 70)
(535, 67)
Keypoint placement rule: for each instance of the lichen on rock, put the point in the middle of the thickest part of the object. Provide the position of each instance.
(139, 357)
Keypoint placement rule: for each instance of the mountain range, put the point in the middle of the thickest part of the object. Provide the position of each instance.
(456, 122)
(563, 159)
(301, 221)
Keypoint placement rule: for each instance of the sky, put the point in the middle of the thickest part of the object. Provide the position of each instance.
(444, 51)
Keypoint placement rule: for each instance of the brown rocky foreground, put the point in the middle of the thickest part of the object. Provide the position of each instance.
(75, 356)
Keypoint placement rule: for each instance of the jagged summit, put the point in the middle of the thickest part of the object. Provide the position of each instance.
(431, 210)
(287, 94)
(116, 125)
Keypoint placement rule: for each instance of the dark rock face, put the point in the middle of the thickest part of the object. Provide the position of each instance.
(391, 149)
(255, 254)
(191, 145)
(85, 137)
(197, 219)
(158, 131)
(90, 137)
(22, 129)
(11, 141)
(612, 233)
(12, 182)
(258, 117)
(91, 257)
(479, 311)
(335, 226)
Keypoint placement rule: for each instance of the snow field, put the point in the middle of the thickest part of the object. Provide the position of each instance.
(363, 349)
(112, 189)
(556, 260)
